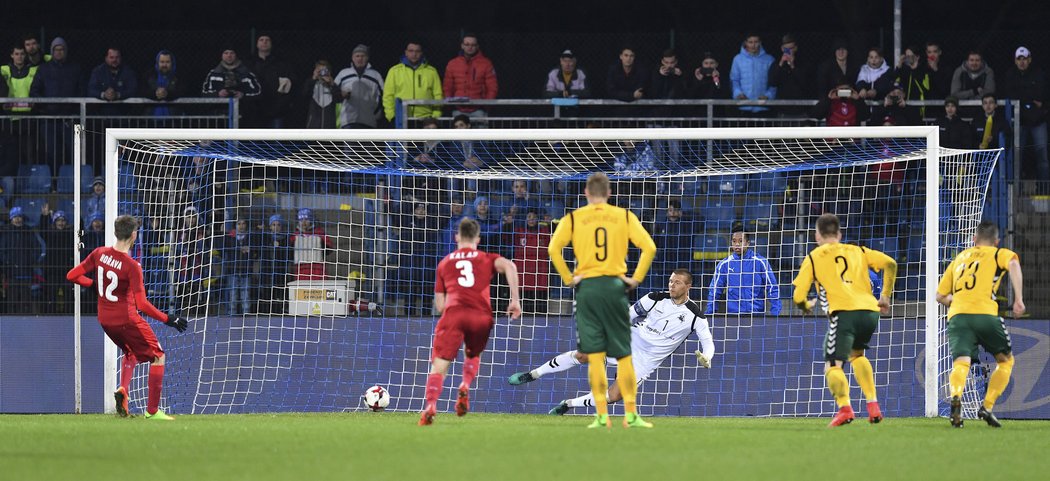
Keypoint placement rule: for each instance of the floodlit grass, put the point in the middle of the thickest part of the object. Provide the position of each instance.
(373, 446)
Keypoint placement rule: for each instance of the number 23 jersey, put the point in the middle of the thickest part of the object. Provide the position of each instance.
(973, 278)
(464, 276)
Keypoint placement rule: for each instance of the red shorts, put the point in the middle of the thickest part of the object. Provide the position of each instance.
(458, 328)
(135, 336)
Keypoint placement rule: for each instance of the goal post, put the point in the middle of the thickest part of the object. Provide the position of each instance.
(360, 317)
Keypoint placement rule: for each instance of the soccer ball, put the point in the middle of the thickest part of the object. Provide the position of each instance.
(376, 398)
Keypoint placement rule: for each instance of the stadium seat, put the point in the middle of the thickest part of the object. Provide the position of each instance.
(31, 208)
(726, 184)
(34, 179)
(64, 183)
(759, 214)
(710, 247)
(767, 183)
(719, 213)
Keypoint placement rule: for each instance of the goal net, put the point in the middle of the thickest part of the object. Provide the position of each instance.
(305, 260)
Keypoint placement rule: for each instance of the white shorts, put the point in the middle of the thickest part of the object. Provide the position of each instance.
(644, 364)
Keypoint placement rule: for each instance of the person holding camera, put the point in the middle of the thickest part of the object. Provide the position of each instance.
(323, 95)
(895, 110)
(841, 107)
(875, 78)
(790, 77)
(913, 76)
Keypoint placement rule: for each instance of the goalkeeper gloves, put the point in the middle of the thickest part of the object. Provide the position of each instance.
(703, 360)
(177, 322)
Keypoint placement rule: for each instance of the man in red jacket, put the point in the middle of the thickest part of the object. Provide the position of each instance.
(470, 75)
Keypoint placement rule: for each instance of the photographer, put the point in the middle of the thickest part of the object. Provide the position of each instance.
(323, 95)
(841, 107)
(894, 110)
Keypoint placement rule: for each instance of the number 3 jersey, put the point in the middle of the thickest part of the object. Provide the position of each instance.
(464, 276)
(973, 278)
(660, 326)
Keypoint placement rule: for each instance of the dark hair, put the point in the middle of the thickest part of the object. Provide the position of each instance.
(468, 228)
(685, 273)
(738, 227)
(470, 34)
(988, 231)
(828, 224)
(933, 43)
(669, 53)
(989, 94)
(788, 38)
(877, 50)
(428, 121)
(677, 204)
(414, 41)
(30, 36)
(974, 52)
(124, 226)
(461, 118)
(598, 184)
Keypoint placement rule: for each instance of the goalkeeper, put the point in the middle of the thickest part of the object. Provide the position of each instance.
(661, 322)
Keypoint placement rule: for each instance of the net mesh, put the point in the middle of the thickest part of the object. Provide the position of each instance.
(307, 267)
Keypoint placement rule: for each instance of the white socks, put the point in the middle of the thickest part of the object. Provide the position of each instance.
(561, 362)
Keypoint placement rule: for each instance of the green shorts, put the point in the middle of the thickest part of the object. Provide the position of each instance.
(848, 330)
(603, 323)
(966, 331)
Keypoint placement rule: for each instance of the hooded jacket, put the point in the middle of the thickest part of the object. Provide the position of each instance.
(156, 80)
(965, 83)
(412, 82)
(750, 76)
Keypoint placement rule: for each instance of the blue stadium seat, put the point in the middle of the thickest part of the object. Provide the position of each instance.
(31, 208)
(886, 245)
(759, 215)
(726, 184)
(767, 183)
(34, 179)
(710, 247)
(719, 213)
(64, 183)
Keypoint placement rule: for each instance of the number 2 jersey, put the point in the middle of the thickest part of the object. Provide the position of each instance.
(118, 284)
(660, 326)
(972, 279)
(464, 276)
(841, 273)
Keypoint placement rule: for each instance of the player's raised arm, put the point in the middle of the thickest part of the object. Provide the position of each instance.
(642, 240)
(508, 269)
(561, 238)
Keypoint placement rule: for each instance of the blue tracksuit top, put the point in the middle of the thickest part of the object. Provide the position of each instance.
(748, 282)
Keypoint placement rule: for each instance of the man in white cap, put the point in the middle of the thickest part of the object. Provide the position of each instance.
(1027, 84)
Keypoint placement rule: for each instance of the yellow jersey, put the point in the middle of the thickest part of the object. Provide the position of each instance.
(599, 234)
(973, 278)
(840, 272)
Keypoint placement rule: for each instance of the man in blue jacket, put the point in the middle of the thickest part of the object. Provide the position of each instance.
(749, 74)
(747, 279)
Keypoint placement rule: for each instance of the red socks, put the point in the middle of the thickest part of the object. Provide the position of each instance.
(434, 382)
(156, 380)
(127, 369)
(471, 365)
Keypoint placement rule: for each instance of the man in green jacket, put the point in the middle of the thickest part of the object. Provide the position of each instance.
(412, 79)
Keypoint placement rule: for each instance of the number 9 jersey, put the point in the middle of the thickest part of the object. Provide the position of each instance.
(464, 276)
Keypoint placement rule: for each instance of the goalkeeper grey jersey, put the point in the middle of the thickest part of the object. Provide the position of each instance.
(661, 325)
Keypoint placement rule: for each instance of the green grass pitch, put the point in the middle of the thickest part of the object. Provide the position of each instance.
(376, 446)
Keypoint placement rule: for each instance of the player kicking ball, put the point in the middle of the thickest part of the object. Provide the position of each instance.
(121, 294)
(661, 322)
(461, 295)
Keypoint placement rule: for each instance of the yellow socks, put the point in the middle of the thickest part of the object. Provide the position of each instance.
(957, 379)
(599, 381)
(997, 382)
(865, 376)
(838, 385)
(626, 379)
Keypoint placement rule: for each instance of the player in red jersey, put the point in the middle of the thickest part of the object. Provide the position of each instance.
(461, 294)
(121, 294)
